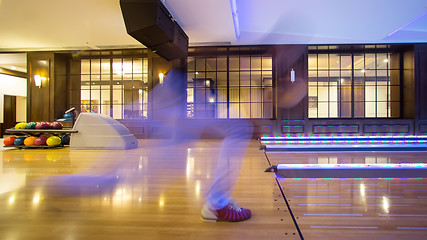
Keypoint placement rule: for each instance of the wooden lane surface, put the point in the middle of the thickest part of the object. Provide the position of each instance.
(153, 192)
(356, 208)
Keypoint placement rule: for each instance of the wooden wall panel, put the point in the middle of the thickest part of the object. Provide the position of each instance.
(421, 80)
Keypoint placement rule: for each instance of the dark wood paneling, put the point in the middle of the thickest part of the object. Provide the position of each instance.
(48, 102)
(9, 113)
(60, 86)
(386, 128)
(408, 85)
(420, 53)
(336, 129)
(38, 99)
(291, 97)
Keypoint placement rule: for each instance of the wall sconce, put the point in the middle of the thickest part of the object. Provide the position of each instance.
(38, 80)
(292, 75)
(161, 77)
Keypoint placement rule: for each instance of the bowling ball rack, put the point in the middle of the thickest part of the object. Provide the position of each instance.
(38, 132)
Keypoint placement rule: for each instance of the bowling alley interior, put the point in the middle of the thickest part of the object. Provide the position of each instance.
(118, 116)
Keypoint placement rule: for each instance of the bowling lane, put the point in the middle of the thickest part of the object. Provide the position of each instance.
(356, 208)
(153, 192)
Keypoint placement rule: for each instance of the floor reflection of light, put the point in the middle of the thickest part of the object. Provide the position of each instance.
(11, 199)
(386, 204)
(362, 190)
(190, 163)
(140, 200)
(197, 190)
(36, 199)
(161, 202)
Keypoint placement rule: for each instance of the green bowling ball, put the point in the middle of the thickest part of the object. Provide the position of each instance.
(31, 125)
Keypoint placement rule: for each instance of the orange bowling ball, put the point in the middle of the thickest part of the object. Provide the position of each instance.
(30, 141)
(9, 141)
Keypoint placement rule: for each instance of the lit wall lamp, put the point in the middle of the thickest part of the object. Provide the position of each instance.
(292, 75)
(161, 77)
(38, 80)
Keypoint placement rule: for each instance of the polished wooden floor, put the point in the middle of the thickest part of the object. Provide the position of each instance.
(157, 190)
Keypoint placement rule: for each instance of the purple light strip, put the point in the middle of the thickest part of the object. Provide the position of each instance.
(353, 166)
(411, 228)
(403, 215)
(350, 227)
(332, 214)
(407, 24)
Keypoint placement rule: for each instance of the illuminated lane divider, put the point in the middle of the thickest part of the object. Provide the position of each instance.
(388, 170)
(333, 138)
(345, 147)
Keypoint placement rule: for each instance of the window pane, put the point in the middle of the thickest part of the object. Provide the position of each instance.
(245, 94)
(370, 109)
(359, 109)
(234, 110)
(382, 93)
(359, 61)
(267, 63)
(245, 78)
(322, 61)
(312, 62)
(255, 63)
(370, 93)
(345, 109)
(382, 61)
(191, 64)
(381, 109)
(222, 63)
(95, 66)
(200, 64)
(322, 110)
(210, 64)
(370, 61)
(256, 110)
(334, 61)
(137, 65)
(234, 63)
(346, 62)
(85, 66)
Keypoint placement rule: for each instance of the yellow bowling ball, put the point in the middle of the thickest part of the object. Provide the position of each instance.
(30, 141)
(53, 141)
(21, 125)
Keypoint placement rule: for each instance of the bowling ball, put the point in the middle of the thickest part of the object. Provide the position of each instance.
(67, 115)
(53, 141)
(40, 141)
(65, 139)
(9, 141)
(21, 125)
(30, 141)
(31, 125)
(42, 125)
(56, 125)
(19, 141)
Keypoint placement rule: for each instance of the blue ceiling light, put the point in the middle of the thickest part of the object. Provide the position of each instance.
(235, 18)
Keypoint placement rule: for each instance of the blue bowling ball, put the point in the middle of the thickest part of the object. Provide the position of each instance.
(19, 141)
(67, 115)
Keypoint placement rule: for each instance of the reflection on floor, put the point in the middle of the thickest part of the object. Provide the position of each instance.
(356, 208)
(156, 192)
(153, 192)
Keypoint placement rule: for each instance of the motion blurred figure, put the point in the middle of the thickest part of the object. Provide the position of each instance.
(168, 112)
